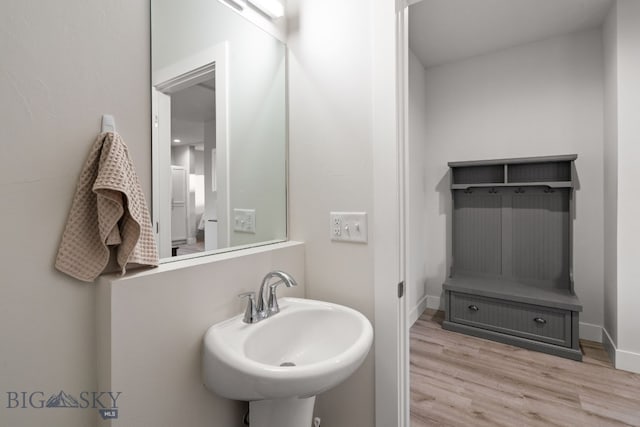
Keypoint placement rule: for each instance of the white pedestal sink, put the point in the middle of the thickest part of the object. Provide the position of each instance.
(281, 363)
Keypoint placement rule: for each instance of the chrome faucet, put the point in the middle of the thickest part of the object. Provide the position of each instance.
(256, 310)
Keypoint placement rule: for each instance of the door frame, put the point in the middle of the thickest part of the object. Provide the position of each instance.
(209, 63)
(390, 100)
(402, 66)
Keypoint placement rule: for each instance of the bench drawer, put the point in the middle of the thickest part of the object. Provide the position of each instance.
(534, 322)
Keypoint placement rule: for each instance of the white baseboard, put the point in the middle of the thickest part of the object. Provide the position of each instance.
(433, 303)
(417, 311)
(622, 359)
(590, 332)
(628, 361)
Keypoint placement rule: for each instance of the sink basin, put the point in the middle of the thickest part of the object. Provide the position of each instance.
(306, 349)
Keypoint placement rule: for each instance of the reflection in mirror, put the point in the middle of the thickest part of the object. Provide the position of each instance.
(193, 214)
(219, 130)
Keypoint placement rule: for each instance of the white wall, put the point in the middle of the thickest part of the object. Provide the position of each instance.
(628, 208)
(64, 64)
(331, 169)
(542, 98)
(257, 103)
(151, 326)
(417, 238)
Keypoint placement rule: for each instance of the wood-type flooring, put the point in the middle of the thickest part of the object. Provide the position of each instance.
(459, 380)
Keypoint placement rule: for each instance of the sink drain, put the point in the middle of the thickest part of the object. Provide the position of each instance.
(287, 364)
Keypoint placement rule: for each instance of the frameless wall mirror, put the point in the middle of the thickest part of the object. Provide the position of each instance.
(219, 130)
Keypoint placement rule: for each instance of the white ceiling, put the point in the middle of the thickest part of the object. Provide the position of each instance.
(442, 31)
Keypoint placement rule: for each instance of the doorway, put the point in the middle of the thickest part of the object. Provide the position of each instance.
(515, 79)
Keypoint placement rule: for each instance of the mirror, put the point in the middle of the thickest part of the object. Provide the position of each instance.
(219, 130)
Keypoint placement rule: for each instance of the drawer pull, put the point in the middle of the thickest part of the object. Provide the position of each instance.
(473, 307)
(540, 320)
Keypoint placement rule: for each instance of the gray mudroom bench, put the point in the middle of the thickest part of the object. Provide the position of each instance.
(511, 274)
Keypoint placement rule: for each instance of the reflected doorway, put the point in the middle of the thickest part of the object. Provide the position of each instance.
(190, 197)
(194, 221)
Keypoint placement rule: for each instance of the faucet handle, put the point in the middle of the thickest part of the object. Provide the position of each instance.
(250, 313)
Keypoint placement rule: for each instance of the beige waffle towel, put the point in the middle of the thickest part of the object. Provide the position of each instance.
(108, 209)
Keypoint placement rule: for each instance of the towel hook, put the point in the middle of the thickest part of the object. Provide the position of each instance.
(108, 123)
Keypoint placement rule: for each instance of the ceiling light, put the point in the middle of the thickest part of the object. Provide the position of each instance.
(236, 4)
(177, 141)
(271, 8)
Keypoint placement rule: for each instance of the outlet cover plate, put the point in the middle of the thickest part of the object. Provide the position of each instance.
(348, 227)
(244, 220)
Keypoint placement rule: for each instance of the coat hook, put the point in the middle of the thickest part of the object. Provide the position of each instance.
(108, 123)
(492, 190)
(519, 190)
(468, 191)
(549, 190)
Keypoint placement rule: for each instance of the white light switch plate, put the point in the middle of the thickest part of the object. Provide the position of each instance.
(348, 226)
(244, 220)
